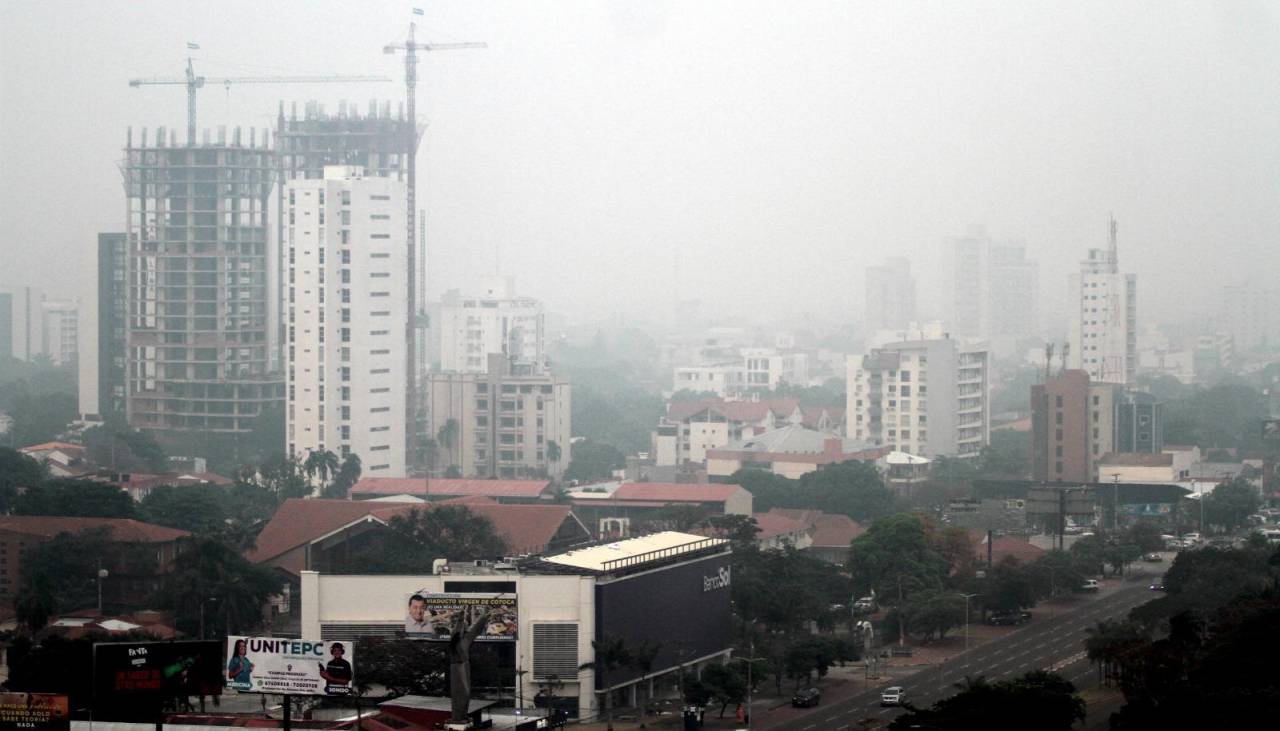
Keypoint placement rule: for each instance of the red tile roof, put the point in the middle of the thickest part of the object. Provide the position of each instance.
(743, 411)
(674, 492)
(826, 530)
(67, 447)
(529, 489)
(523, 528)
(773, 524)
(1005, 546)
(122, 530)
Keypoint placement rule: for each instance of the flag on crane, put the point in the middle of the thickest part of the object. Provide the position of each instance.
(193, 46)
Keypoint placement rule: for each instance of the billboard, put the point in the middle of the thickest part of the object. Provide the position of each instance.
(431, 616)
(34, 711)
(132, 672)
(296, 667)
(683, 609)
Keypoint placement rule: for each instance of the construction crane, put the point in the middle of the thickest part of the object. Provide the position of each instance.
(194, 83)
(410, 48)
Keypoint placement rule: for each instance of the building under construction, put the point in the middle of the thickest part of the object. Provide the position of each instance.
(197, 293)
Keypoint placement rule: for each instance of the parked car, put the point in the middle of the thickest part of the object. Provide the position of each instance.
(893, 696)
(1008, 618)
(1152, 557)
(865, 604)
(1090, 585)
(806, 698)
(1158, 586)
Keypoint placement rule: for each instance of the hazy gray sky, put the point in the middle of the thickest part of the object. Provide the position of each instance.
(758, 155)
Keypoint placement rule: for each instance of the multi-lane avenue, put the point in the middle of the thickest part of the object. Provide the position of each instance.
(1055, 643)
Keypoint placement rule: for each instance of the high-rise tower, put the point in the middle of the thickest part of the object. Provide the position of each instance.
(1104, 333)
(196, 318)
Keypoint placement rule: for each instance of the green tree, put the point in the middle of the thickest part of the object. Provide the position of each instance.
(1089, 553)
(322, 464)
(78, 498)
(1112, 643)
(281, 475)
(119, 448)
(935, 613)
(1230, 504)
(894, 558)
(553, 451)
(347, 477)
(1146, 536)
(1046, 697)
(402, 668)
(1056, 572)
(611, 654)
(591, 461)
(1008, 455)
(200, 509)
(725, 684)
(447, 438)
(232, 590)
(849, 488)
(17, 470)
(61, 574)
(1010, 587)
(1225, 415)
(37, 417)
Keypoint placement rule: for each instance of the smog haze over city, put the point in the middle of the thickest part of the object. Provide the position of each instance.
(617, 157)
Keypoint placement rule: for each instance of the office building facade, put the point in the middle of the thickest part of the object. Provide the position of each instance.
(466, 330)
(1103, 338)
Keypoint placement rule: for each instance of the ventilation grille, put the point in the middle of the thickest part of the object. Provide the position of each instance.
(555, 651)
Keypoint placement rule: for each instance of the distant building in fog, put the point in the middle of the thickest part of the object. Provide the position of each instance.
(996, 291)
(1251, 315)
(1103, 336)
(60, 331)
(466, 330)
(890, 294)
(6, 326)
(102, 340)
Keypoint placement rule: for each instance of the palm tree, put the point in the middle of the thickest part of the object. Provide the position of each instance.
(347, 477)
(643, 656)
(323, 463)
(447, 437)
(553, 451)
(611, 653)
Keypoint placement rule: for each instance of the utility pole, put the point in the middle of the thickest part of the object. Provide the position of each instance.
(1115, 502)
(411, 48)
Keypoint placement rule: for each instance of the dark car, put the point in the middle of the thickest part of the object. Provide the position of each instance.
(1008, 618)
(1158, 586)
(807, 698)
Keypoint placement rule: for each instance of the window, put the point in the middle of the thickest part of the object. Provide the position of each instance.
(1058, 400)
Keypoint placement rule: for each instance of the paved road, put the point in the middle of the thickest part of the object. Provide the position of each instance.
(1055, 643)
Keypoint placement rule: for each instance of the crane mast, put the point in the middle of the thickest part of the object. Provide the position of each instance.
(415, 313)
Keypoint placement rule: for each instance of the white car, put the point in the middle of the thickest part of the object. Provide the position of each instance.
(893, 696)
(1090, 585)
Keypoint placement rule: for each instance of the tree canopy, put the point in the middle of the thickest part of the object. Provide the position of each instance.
(77, 498)
(850, 488)
(1038, 699)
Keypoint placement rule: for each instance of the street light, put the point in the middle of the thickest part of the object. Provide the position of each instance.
(967, 597)
(1115, 502)
(750, 661)
(102, 574)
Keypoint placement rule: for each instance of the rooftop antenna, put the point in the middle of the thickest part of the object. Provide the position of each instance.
(1112, 249)
(1066, 348)
(1048, 361)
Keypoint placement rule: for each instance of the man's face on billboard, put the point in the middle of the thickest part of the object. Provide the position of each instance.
(417, 608)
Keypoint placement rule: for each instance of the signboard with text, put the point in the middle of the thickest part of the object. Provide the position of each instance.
(34, 712)
(292, 666)
(135, 681)
(431, 616)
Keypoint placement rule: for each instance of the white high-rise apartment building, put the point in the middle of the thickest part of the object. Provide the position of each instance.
(925, 397)
(996, 291)
(890, 295)
(1103, 339)
(465, 331)
(1251, 315)
(60, 331)
(345, 315)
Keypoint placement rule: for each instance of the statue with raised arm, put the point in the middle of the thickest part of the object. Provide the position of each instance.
(460, 640)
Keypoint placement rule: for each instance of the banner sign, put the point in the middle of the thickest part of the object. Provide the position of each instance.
(296, 667)
(129, 671)
(34, 711)
(432, 616)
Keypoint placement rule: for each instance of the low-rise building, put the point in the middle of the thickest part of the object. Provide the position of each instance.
(621, 509)
(790, 451)
(437, 488)
(691, 427)
(670, 590)
(126, 583)
(510, 422)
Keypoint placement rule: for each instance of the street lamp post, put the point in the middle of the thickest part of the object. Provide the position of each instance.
(967, 597)
(102, 574)
(1115, 502)
(750, 661)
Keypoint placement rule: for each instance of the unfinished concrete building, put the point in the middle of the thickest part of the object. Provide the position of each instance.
(197, 291)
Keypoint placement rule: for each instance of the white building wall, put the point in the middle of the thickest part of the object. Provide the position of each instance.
(328, 600)
(345, 309)
(1103, 336)
(466, 330)
(60, 331)
(890, 295)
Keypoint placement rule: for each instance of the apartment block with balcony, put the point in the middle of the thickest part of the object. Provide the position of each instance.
(924, 397)
(508, 422)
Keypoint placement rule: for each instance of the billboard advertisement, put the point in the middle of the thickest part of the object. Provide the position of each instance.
(296, 667)
(130, 671)
(684, 610)
(431, 616)
(34, 711)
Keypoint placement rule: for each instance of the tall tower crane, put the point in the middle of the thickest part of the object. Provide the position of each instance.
(411, 48)
(194, 83)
